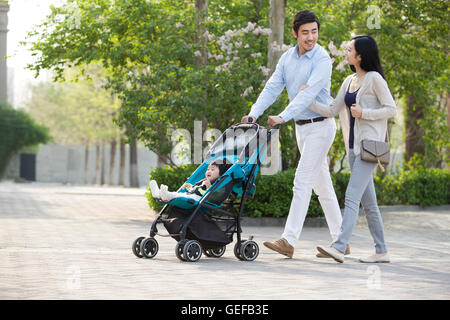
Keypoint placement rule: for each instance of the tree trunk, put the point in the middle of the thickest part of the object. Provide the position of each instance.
(112, 161)
(277, 14)
(97, 164)
(134, 179)
(414, 133)
(122, 162)
(447, 166)
(102, 174)
(200, 17)
(86, 163)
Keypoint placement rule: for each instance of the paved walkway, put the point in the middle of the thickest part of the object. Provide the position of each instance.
(67, 242)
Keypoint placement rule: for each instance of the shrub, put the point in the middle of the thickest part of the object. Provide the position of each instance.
(423, 187)
(273, 196)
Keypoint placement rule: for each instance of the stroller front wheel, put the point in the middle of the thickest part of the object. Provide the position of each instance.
(192, 251)
(237, 251)
(249, 250)
(149, 247)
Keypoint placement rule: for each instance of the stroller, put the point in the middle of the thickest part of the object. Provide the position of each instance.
(208, 225)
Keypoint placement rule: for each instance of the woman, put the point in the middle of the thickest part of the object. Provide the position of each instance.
(364, 103)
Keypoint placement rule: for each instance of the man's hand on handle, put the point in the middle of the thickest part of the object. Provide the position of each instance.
(248, 119)
(274, 120)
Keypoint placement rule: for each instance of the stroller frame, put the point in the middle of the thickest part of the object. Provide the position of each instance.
(191, 250)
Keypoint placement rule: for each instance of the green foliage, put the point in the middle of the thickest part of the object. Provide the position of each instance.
(77, 112)
(268, 203)
(17, 130)
(151, 49)
(423, 187)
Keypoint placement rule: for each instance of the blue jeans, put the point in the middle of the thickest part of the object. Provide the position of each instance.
(361, 189)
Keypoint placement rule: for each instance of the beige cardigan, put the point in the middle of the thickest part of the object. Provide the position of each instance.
(377, 106)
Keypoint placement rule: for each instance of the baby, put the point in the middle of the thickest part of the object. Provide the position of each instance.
(196, 191)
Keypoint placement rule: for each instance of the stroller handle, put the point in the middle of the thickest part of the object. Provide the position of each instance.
(250, 120)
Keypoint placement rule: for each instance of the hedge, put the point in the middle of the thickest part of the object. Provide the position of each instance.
(423, 187)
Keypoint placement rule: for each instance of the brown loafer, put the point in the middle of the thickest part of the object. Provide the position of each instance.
(281, 246)
(321, 255)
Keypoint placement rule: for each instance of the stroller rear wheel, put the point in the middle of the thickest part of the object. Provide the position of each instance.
(149, 247)
(136, 247)
(215, 253)
(179, 250)
(192, 251)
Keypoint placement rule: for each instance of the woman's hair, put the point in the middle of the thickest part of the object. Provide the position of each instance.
(303, 17)
(367, 48)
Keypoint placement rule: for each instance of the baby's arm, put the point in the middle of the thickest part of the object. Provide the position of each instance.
(186, 186)
(207, 183)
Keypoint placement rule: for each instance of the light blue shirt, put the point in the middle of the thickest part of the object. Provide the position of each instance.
(293, 71)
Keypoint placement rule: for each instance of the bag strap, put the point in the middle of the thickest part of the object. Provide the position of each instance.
(388, 139)
(380, 165)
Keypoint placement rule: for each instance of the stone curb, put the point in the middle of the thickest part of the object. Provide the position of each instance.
(321, 221)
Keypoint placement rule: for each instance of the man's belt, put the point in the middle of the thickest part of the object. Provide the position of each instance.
(300, 122)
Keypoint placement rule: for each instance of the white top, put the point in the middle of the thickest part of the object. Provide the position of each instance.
(377, 106)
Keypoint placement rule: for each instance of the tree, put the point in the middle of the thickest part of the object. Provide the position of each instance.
(416, 33)
(79, 112)
(17, 130)
(155, 56)
(150, 51)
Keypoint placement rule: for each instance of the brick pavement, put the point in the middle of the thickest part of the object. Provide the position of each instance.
(68, 242)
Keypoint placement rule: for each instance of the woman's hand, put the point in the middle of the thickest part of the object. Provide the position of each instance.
(356, 110)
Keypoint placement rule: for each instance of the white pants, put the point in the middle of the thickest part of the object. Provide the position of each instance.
(313, 140)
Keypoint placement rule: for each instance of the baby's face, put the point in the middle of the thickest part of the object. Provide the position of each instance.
(212, 173)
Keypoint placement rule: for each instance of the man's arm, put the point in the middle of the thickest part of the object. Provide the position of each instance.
(316, 82)
(271, 90)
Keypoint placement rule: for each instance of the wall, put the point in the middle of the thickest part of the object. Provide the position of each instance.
(65, 164)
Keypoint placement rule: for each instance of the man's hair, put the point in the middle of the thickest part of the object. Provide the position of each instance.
(302, 17)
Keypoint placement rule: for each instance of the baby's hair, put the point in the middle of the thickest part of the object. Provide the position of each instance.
(222, 165)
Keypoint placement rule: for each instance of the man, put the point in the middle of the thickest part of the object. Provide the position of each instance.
(306, 64)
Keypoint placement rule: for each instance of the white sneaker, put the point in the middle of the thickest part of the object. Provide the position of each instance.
(154, 189)
(332, 252)
(163, 193)
(376, 259)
